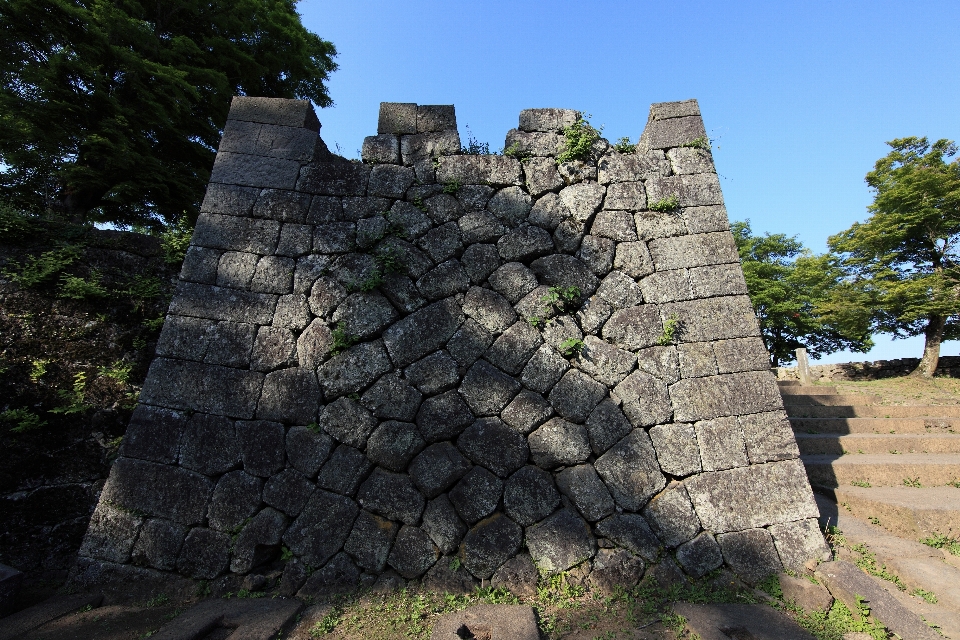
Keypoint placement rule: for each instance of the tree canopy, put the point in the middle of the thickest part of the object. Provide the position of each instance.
(789, 288)
(901, 264)
(110, 110)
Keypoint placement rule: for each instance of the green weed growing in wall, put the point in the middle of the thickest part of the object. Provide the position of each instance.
(579, 139)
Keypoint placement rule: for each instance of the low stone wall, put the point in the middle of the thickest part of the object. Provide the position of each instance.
(454, 367)
(948, 367)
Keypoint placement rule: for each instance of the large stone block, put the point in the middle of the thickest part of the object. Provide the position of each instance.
(700, 556)
(270, 140)
(428, 146)
(677, 448)
(491, 443)
(234, 500)
(514, 348)
(560, 542)
(276, 111)
(476, 495)
(713, 318)
(158, 544)
(631, 531)
(534, 143)
(327, 512)
(436, 117)
(489, 544)
(671, 515)
(288, 491)
(354, 369)
(750, 554)
(576, 395)
(799, 542)
(218, 303)
(392, 495)
(442, 524)
(631, 471)
(768, 437)
(229, 199)
(200, 387)
(262, 447)
(693, 251)
(587, 492)
(255, 171)
(644, 399)
(551, 120)
(487, 390)
(743, 354)
(209, 445)
(721, 444)
(530, 496)
(725, 395)
(384, 148)
(370, 540)
(111, 534)
(258, 540)
(634, 328)
(606, 426)
(687, 160)
(344, 471)
(393, 444)
(290, 396)
(526, 412)
(628, 167)
(558, 443)
(444, 416)
(154, 434)
(334, 179)
(397, 118)
(132, 485)
(672, 132)
(205, 554)
(308, 449)
(480, 170)
(754, 496)
(422, 332)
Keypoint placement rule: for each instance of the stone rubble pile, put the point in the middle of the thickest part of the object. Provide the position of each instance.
(447, 365)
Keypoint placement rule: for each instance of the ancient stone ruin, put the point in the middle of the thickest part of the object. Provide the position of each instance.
(443, 364)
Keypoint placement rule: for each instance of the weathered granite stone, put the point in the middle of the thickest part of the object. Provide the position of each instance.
(518, 575)
(561, 541)
(534, 143)
(177, 384)
(491, 443)
(671, 515)
(288, 491)
(393, 444)
(724, 500)
(803, 593)
(559, 442)
(583, 199)
(620, 290)
(574, 171)
(684, 252)
(132, 484)
(370, 540)
(236, 233)
(534, 306)
(515, 346)
(335, 237)
(677, 449)
(700, 556)
(293, 312)
(434, 373)
(631, 531)
(526, 412)
(274, 348)
(441, 243)
(355, 209)
(447, 279)
(442, 524)
(569, 235)
(325, 295)
(422, 332)
(395, 251)
(750, 554)
(624, 196)
(365, 315)
(541, 176)
(631, 471)
(634, 328)
(548, 212)
(390, 181)
(529, 495)
(391, 495)
(587, 492)
(258, 540)
(200, 265)
(235, 269)
(209, 445)
(111, 534)
(597, 253)
(725, 395)
(768, 437)
(604, 362)
(158, 544)
(154, 434)
(613, 570)
(344, 470)
(409, 221)
(443, 417)
(743, 354)
(261, 447)
(480, 226)
(354, 369)
(615, 225)
(644, 399)
(308, 449)
(697, 359)
(347, 421)
(397, 118)
(626, 167)
(487, 390)
(413, 552)
(524, 243)
(660, 362)
(511, 205)
(447, 576)
(327, 512)
(437, 468)
(229, 199)
(566, 271)
(544, 369)
(489, 544)
(513, 281)
(551, 120)
(489, 309)
(479, 170)
(294, 575)
(384, 148)
(479, 261)
(633, 259)
(205, 554)
(477, 494)
(797, 543)
(338, 577)
(474, 197)
(274, 274)
(289, 395)
(672, 132)
(444, 208)
(402, 292)
(606, 426)
(717, 280)
(721, 444)
(427, 146)
(576, 396)
(392, 397)
(324, 209)
(707, 219)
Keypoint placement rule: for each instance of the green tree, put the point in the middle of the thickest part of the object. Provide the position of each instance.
(902, 261)
(111, 110)
(788, 287)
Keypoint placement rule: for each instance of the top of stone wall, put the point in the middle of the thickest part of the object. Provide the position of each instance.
(276, 111)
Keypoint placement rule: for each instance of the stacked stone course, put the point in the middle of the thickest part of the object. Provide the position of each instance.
(381, 365)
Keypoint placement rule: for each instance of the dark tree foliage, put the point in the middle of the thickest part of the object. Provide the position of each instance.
(788, 289)
(111, 110)
(902, 263)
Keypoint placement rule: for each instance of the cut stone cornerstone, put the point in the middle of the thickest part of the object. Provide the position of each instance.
(377, 365)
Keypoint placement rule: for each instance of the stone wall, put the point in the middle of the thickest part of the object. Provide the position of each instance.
(947, 367)
(373, 367)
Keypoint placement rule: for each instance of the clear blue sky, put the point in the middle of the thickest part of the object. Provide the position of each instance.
(798, 97)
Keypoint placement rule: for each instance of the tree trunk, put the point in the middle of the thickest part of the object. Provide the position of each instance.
(931, 348)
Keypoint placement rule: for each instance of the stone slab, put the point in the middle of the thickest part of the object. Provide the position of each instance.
(488, 621)
(725, 621)
(21, 622)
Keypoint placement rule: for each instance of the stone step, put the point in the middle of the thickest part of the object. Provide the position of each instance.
(874, 411)
(874, 425)
(907, 512)
(809, 390)
(835, 444)
(788, 383)
(828, 400)
(19, 623)
(929, 469)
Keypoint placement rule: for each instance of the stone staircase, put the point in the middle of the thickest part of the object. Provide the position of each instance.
(887, 476)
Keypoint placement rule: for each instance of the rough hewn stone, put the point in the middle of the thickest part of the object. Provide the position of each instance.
(479, 170)
(111, 534)
(132, 485)
(634, 328)
(587, 492)
(582, 199)
(344, 470)
(576, 396)
(561, 541)
(370, 540)
(177, 384)
(354, 369)
(566, 271)
(613, 570)
(799, 542)
(526, 412)
(476, 495)
(489, 544)
(721, 444)
(544, 369)
(205, 554)
(524, 243)
(261, 447)
(391, 495)
(154, 434)
(671, 515)
(515, 346)
(209, 445)
(347, 421)
(518, 575)
(290, 395)
(447, 279)
(393, 444)
(307, 449)
(444, 416)
(487, 390)
(437, 468)
(422, 332)
(604, 362)
(598, 253)
(700, 556)
(559, 442)
(529, 495)
(751, 554)
(606, 426)
(443, 242)
(480, 260)
(644, 399)
(491, 443)
(258, 540)
(288, 491)
(442, 524)
(677, 450)
(631, 471)
(631, 531)
(392, 397)
(158, 544)
(433, 373)
(725, 395)
(541, 176)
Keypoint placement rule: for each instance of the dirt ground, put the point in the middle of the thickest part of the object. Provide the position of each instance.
(908, 390)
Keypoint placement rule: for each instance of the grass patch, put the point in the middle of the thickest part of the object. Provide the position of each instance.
(942, 541)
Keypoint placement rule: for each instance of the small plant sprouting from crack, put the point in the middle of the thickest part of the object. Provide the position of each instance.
(514, 151)
(451, 187)
(623, 146)
(671, 330)
(703, 142)
(341, 339)
(571, 346)
(562, 298)
(666, 205)
(579, 139)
